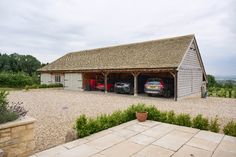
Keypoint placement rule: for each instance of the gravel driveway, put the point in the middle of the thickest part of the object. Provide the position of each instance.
(56, 110)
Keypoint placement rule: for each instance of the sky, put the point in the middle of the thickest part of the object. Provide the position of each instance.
(48, 29)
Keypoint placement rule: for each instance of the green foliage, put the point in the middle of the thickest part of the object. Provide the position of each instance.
(171, 117)
(224, 89)
(18, 80)
(214, 126)
(81, 126)
(6, 115)
(183, 120)
(3, 101)
(200, 122)
(19, 63)
(211, 81)
(153, 113)
(35, 86)
(163, 117)
(86, 126)
(222, 92)
(230, 129)
(131, 111)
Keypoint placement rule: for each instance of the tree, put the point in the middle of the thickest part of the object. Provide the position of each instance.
(211, 81)
(19, 63)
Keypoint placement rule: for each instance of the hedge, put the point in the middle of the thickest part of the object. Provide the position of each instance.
(17, 80)
(86, 126)
(35, 86)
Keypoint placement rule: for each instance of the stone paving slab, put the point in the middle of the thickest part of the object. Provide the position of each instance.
(105, 141)
(75, 143)
(154, 151)
(209, 136)
(51, 152)
(158, 131)
(142, 139)
(203, 144)
(124, 149)
(147, 139)
(188, 151)
(173, 140)
(125, 133)
(137, 127)
(81, 151)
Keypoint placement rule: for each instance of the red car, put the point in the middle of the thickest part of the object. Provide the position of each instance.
(110, 87)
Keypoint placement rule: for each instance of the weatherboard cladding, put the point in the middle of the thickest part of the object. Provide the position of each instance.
(163, 53)
(190, 73)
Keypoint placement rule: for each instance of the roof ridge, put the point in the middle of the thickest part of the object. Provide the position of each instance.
(130, 44)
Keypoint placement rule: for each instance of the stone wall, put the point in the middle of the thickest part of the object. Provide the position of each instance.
(17, 137)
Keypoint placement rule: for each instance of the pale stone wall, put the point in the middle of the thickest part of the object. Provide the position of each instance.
(17, 138)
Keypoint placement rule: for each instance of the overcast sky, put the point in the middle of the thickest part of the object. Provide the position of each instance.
(48, 29)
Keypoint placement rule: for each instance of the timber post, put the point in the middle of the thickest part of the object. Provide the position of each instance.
(135, 75)
(105, 74)
(175, 84)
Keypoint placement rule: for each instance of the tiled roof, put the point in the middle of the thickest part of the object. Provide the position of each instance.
(162, 53)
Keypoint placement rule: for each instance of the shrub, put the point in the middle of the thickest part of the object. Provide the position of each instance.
(81, 126)
(183, 120)
(35, 86)
(214, 126)
(117, 117)
(200, 122)
(163, 117)
(9, 113)
(170, 117)
(43, 86)
(230, 129)
(3, 102)
(8, 116)
(17, 108)
(131, 111)
(17, 80)
(86, 126)
(153, 113)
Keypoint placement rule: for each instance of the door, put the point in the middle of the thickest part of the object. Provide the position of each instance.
(73, 81)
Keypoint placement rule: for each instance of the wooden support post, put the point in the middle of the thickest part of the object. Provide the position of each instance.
(83, 81)
(105, 74)
(175, 84)
(135, 75)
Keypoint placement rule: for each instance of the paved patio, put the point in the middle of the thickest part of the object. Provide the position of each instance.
(147, 139)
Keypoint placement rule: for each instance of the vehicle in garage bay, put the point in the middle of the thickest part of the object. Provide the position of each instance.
(158, 86)
(124, 87)
(101, 86)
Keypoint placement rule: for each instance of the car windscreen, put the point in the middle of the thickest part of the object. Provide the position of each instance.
(154, 82)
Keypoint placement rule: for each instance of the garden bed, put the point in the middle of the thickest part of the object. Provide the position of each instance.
(87, 126)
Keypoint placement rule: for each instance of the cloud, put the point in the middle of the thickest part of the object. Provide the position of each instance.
(49, 29)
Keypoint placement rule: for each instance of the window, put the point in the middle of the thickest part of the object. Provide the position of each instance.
(57, 78)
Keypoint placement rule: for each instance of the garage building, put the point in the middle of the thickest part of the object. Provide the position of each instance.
(176, 58)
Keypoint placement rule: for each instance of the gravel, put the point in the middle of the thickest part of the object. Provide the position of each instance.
(56, 110)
